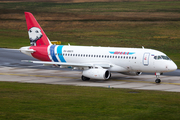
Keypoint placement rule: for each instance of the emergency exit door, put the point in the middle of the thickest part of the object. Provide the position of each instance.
(146, 59)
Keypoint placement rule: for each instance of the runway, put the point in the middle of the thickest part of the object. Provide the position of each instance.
(13, 70)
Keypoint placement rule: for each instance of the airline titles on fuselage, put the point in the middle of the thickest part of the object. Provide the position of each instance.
(67, 50)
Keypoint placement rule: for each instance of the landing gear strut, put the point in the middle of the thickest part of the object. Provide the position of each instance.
(157, 78)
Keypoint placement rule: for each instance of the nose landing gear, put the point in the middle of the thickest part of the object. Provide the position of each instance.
(157, 78)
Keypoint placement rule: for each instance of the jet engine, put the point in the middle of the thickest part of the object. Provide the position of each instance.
(97, 74)
(131, 73)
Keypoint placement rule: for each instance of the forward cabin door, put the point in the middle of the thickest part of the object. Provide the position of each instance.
(146, 59)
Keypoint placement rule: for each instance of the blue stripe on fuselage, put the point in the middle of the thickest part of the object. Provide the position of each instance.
(60, 55)
(52, 53)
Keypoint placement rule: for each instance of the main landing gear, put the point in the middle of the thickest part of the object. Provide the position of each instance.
(85, 78)
(157, 78)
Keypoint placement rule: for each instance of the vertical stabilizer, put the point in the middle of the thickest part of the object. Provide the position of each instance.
(37, 36)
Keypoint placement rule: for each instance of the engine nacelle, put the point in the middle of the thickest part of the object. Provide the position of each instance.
(132, 73)
(97, 74)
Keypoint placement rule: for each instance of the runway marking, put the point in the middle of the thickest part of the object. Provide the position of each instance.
(135, 81)
(36, 75)
(129, 81)
(148, 82)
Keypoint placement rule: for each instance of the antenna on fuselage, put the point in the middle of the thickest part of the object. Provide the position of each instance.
(142, 47)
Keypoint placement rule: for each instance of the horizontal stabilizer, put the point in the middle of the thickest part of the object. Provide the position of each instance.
(29, 50)
(26, 49)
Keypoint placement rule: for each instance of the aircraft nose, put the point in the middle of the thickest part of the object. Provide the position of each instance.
(172, 66)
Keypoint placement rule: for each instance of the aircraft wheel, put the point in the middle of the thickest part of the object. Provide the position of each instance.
(85, 78)
(157, 80)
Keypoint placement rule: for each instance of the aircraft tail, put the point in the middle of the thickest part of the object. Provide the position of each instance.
(37, 36)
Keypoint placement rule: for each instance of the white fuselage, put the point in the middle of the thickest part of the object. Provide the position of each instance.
(120, 59)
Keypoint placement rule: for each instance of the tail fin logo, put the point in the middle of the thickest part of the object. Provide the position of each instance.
(34, 35)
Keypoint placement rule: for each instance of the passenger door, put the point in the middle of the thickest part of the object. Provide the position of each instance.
(146, 59)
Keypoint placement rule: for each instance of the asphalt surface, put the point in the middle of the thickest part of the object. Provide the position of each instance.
(13, 57)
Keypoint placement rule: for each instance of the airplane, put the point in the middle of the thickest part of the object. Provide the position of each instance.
(95, 62)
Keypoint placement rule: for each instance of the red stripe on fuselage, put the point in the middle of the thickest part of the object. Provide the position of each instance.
(41, 53)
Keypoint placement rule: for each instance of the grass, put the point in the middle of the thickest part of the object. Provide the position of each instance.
(15, 40)
(138, 6)
(40, 101)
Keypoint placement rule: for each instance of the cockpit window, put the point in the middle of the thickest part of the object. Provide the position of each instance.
(165, 57)
(159, 57)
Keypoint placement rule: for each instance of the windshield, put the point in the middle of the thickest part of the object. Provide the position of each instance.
(165, 57)
(159, 57)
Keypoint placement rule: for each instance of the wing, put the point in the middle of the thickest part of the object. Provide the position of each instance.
(106, 65)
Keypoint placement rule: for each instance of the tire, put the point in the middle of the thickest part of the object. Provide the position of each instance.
(85, 78)
(157, 80)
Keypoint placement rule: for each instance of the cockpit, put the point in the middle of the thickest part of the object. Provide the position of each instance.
(161, 57)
